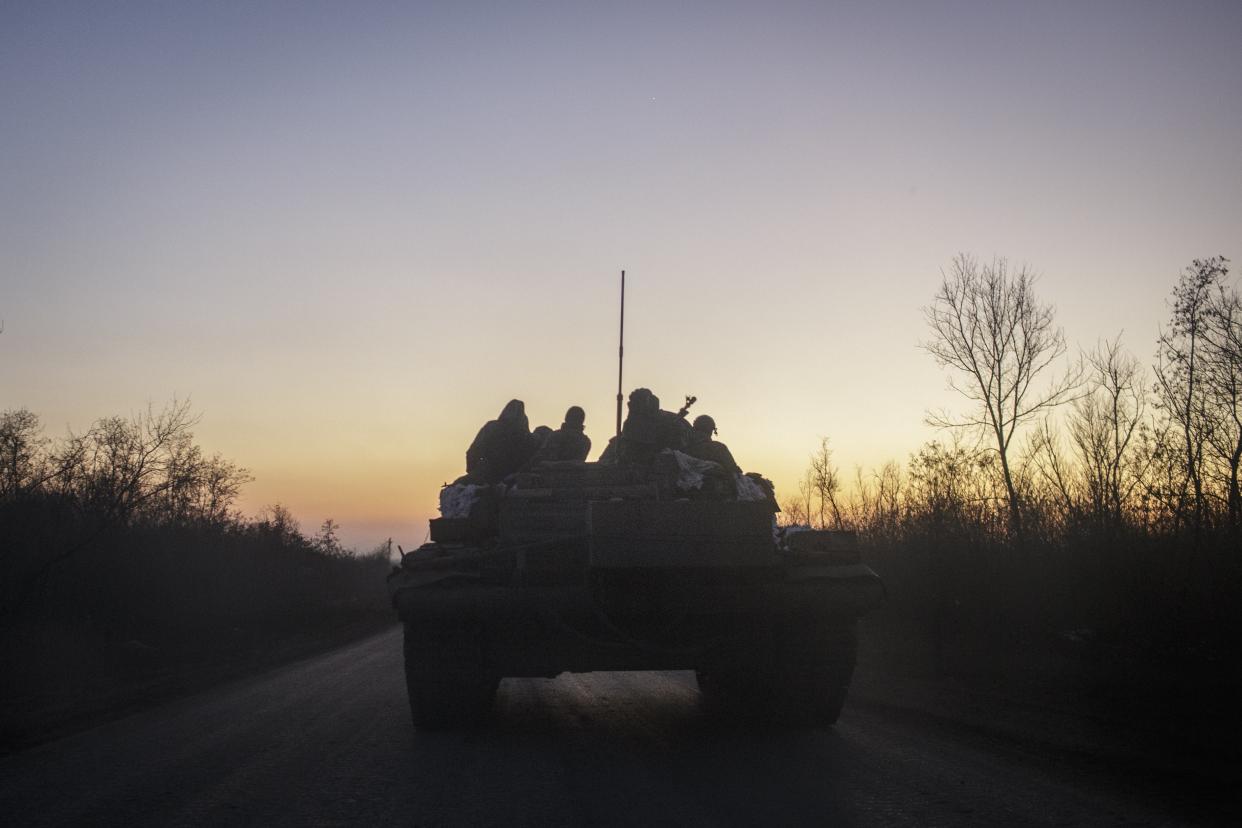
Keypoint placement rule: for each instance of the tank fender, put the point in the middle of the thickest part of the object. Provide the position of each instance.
(832, 572)
(421, 580)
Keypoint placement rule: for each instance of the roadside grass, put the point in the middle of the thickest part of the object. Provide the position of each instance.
(148, 613)
(1141, 639)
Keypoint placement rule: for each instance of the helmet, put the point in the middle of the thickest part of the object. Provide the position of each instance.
(643, 401)
(705, 424)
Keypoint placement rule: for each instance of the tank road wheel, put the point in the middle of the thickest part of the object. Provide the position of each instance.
(800, 681)
(446, 676)
(733, 691)
(813, 676)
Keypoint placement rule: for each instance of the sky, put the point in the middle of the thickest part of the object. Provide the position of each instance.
(350, 232)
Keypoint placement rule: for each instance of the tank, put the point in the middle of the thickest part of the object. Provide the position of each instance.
(588, 566)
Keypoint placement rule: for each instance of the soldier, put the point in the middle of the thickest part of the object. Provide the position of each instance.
(538, 439)
(501, 447)
(569, 442)
(704, 447)
(647, 430)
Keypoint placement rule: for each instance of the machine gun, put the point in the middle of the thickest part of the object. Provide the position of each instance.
(685, 409)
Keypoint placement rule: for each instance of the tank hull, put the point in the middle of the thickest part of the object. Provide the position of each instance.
(652, 624)
(612, 577)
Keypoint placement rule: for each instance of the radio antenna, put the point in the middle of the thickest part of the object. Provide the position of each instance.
(621, 354)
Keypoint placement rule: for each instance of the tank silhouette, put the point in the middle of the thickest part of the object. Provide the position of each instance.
(580, 566)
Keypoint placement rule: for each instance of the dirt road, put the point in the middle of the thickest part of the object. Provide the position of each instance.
(328, 741)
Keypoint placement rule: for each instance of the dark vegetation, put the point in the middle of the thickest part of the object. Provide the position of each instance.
(1076, 538)
(126, 572)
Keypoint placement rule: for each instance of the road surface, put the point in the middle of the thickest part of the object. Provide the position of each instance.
(328, 741)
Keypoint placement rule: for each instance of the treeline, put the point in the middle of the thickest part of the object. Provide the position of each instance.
(1078, 510)
(122, 554)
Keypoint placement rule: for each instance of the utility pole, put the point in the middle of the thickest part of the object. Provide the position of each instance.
(621, 354)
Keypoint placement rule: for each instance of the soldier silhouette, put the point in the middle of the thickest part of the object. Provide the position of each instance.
(569, 442)
(501, 447)
(704, 447)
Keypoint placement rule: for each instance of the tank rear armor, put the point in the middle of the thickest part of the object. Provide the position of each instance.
(585, 566)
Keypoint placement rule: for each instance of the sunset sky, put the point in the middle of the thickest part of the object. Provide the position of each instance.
(350, 232)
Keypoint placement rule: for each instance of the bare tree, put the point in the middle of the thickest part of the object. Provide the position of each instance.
(280, 523)
(889, 490)
(22, 452)
(133, 464)
(953, 487)
(1181, 379)
(794, 511)
(990, 328)
(142, 470)
(328, 539)
(875, 502)
(220, 484)
(1104, 424)
(1061, 481)
(826, 483)
(1222, 338)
